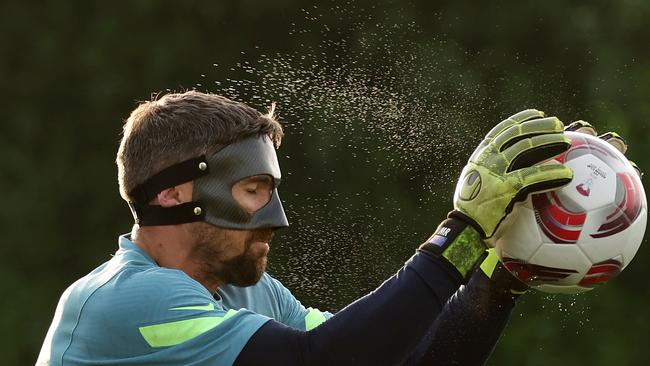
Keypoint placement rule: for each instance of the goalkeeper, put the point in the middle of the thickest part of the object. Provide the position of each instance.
(188, 285)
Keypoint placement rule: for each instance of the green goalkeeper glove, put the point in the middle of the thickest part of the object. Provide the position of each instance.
(502, 170)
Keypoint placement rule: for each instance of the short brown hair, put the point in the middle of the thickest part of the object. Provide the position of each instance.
(180, 126)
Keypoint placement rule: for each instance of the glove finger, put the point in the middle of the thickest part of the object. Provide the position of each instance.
(541, 178)
(490, 262)
(527, 129)
(497, 272)
(615, 140)
(582, 127)
(534, 150)
(526, 115)
(516, 118)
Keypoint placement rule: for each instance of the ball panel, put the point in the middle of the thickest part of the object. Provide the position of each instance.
(602, 272)
(565, 259)
(593, 185)
(598, 249)
(557, 223)
(635, 237)
(518, 227)
(535, 274)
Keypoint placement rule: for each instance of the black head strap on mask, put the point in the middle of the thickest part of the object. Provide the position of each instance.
(149, 215)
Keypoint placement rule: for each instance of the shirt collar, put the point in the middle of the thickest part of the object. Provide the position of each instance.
(131, 250)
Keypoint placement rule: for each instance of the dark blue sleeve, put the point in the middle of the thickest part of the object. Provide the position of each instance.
(467, 330)
(383, 327)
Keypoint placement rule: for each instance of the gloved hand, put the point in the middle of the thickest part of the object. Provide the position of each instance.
(502, 169)
(500, 172)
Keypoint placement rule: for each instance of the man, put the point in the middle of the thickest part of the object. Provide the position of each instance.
(188, 285)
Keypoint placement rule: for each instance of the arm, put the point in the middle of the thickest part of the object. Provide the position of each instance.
(476, 314)
(380, 328)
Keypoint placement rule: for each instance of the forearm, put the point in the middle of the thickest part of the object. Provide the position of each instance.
(383, 327)
(467, 330)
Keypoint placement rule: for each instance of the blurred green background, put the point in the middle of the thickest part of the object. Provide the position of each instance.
(382, 102)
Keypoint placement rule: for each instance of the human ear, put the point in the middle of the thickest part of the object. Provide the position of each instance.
(175, 195)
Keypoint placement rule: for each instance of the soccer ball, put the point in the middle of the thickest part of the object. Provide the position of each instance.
(582, 235)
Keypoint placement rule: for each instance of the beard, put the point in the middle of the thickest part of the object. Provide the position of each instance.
(242, 270)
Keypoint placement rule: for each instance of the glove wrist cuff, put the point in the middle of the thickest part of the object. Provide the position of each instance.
(458, 243)
(456, 214)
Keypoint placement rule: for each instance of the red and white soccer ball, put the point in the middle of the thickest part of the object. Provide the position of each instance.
(580, 236)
